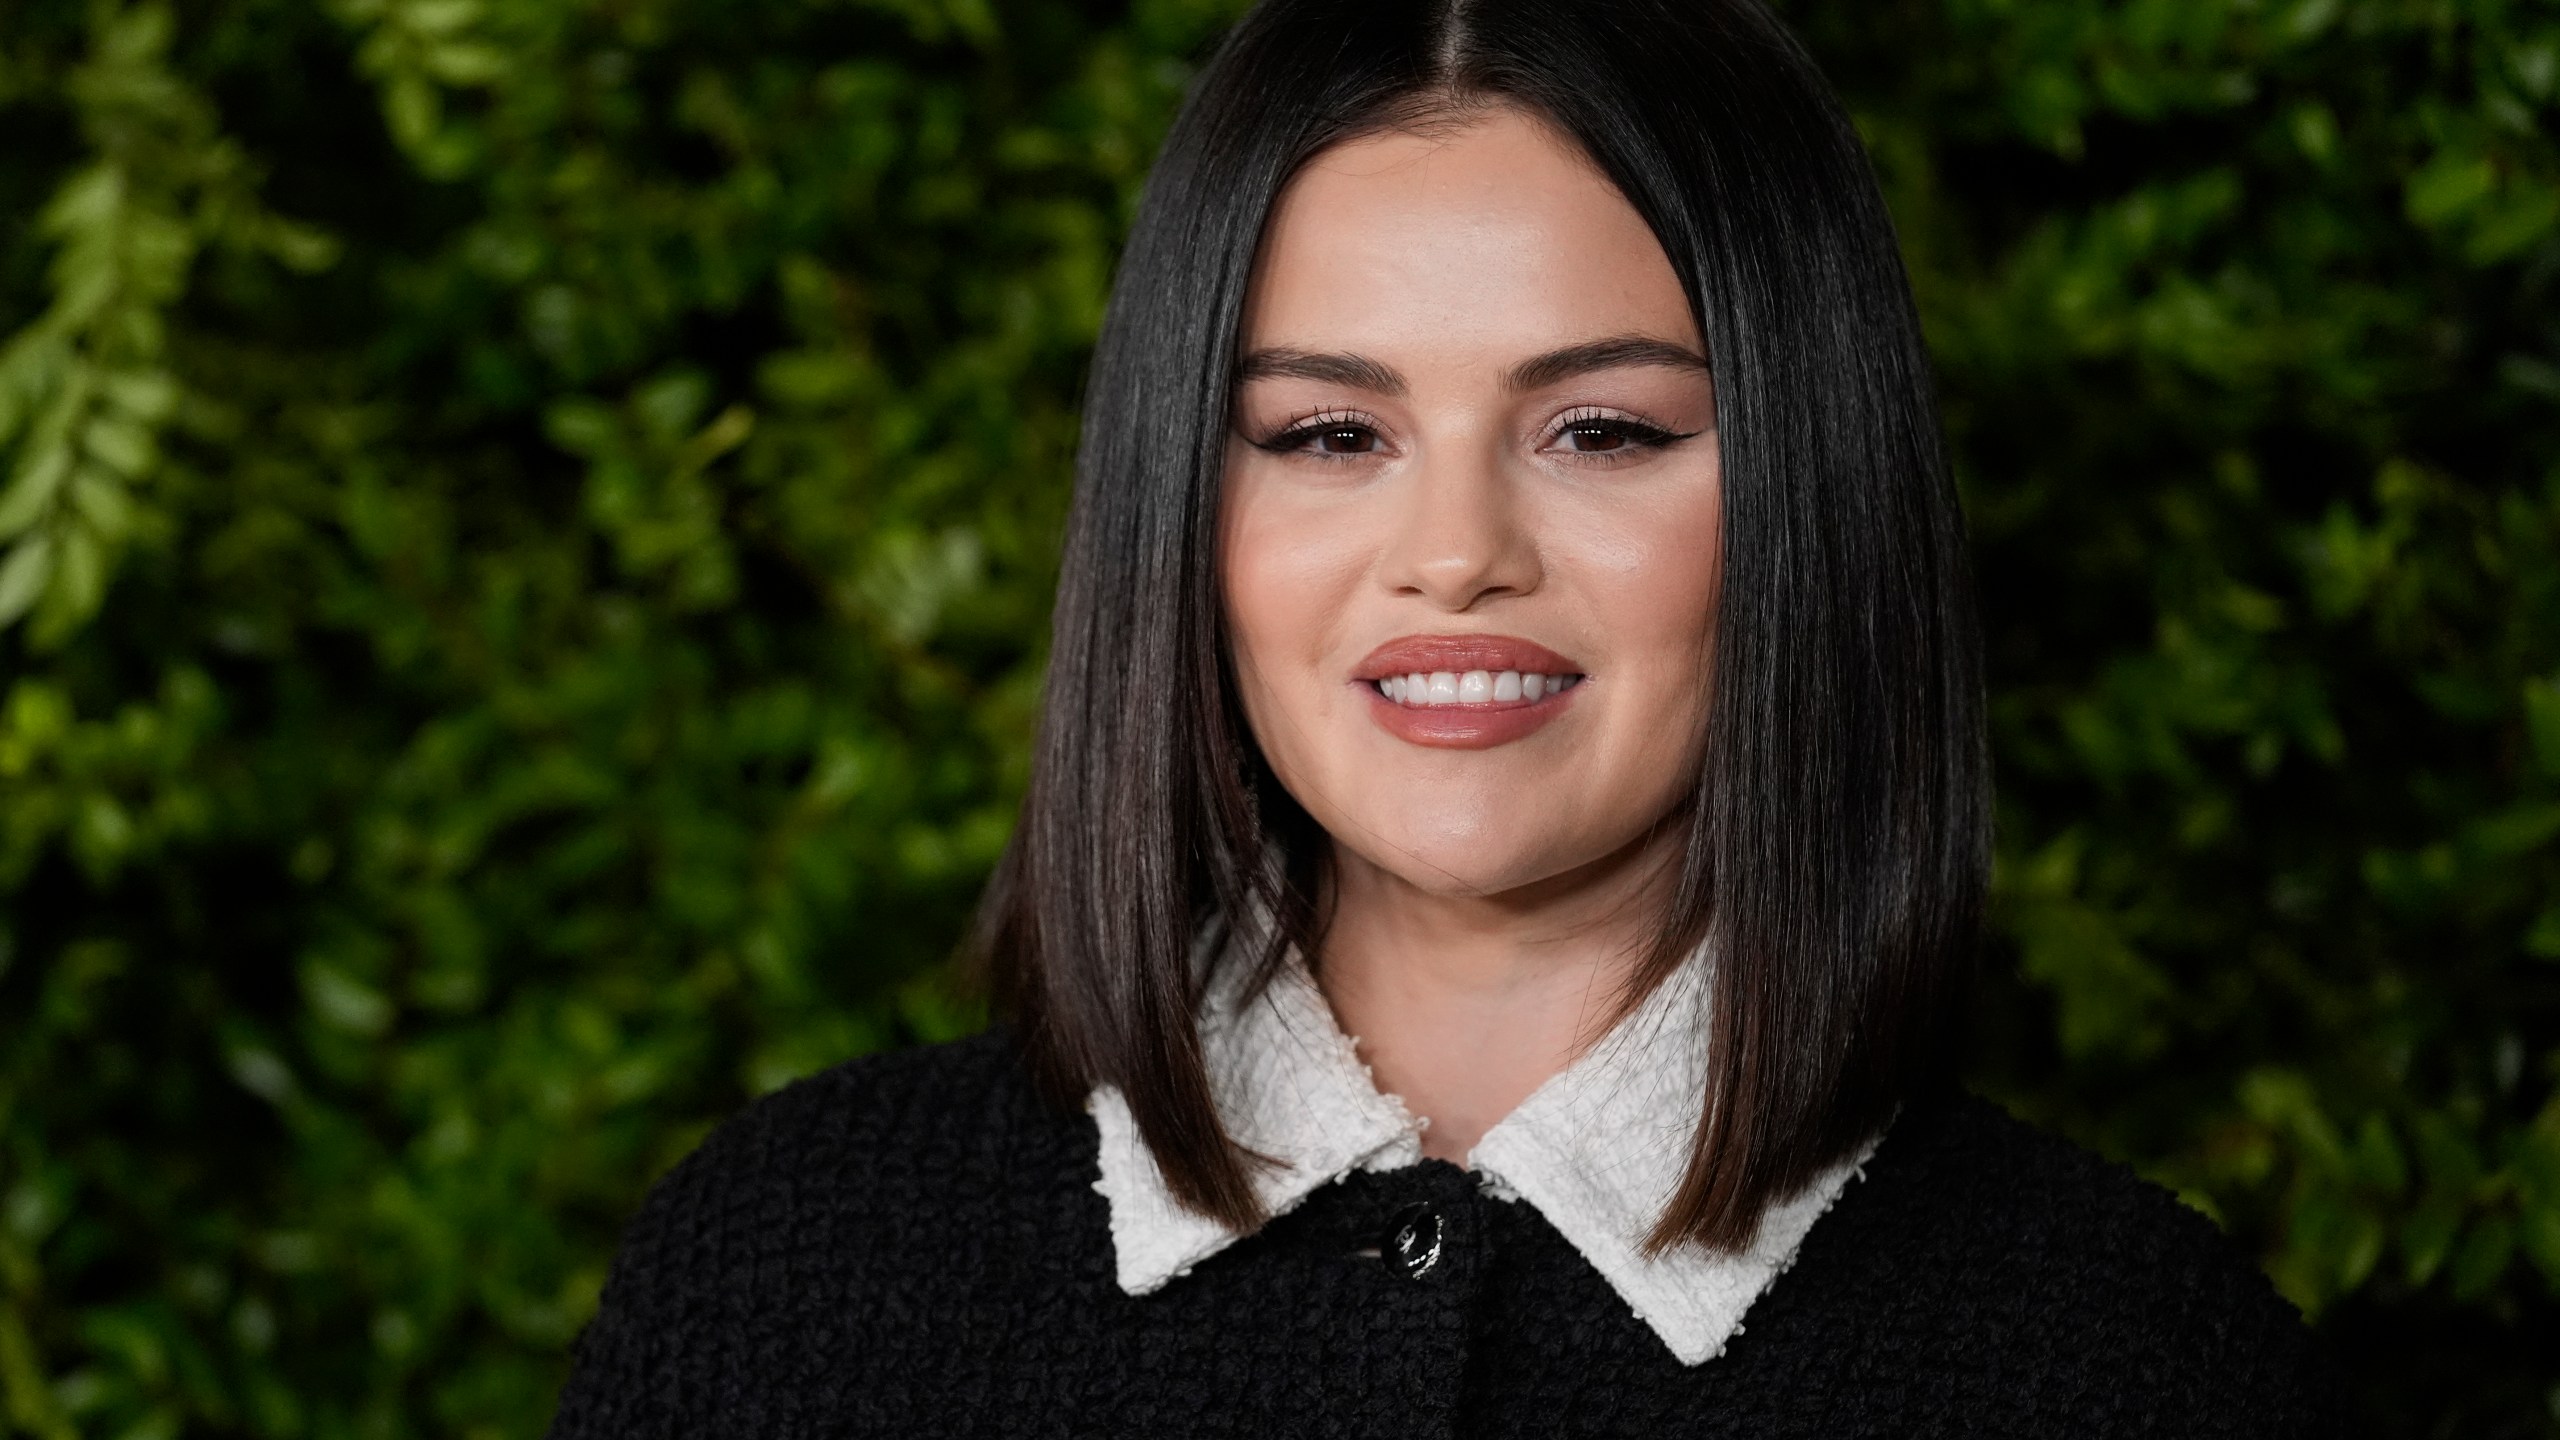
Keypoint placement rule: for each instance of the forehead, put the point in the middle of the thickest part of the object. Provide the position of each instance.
(1498, 238)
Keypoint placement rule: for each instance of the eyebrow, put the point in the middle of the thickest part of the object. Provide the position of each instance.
(1359, 372)
(1609, 354)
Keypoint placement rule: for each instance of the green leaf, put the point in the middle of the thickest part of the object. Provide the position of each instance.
(2362, 1247)
(2427, 1236)
(24, 573)
(32, 490)
(583, 427)
(79, 582)
(2447, 1155)
(99, 499)
(2483, 1257)
(413, 109)
(466, 63)
(2539, 1230)
(2377, 1158)
(2514, 224)
(120, 443)
(436, 17)
(2517, 831)
(2542, 722)
(2450, 185)
(2544, 938)
(149, 396)
(341, 1001)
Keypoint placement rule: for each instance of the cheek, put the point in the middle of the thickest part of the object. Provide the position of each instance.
(1673, 590)
(1649, 572)
(1288, 564)
(1651, 569)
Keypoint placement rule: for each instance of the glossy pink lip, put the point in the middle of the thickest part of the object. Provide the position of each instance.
(1461, 653)
(1464, 727)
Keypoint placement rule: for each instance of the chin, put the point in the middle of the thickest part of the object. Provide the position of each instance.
(1457, 867)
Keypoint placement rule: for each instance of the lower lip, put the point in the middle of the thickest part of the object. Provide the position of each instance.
(1467, 727)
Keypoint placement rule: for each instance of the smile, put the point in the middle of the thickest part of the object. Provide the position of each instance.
(1466, 692)
(1472, 687)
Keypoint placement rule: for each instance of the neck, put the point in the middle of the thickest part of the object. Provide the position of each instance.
(1463, 1005)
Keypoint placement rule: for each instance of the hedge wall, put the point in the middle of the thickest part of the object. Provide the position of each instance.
(525, 527)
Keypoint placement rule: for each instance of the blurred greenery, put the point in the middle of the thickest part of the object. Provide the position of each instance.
(525, 527)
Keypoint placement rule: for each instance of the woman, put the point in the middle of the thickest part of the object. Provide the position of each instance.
(1514, 615)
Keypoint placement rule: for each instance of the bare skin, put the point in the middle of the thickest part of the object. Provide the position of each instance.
(1474, 412)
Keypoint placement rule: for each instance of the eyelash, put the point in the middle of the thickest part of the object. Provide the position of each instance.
(1636, 433)
(1293, 438)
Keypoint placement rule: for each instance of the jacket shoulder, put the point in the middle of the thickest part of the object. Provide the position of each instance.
(2069, 1287)
(886, 1185)
(2034, 1195)
(881, 1121)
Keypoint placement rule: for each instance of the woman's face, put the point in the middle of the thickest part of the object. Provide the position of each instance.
(1469, 543)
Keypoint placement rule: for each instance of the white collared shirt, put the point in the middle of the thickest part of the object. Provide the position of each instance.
(1598, 1149)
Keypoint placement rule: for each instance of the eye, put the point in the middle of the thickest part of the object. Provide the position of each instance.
(1597, 433)
(1341, 440)
(1331, 437)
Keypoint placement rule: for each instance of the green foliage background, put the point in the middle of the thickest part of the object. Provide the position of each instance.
(525, 527)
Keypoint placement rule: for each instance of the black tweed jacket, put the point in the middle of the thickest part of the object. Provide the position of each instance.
(911, 1245)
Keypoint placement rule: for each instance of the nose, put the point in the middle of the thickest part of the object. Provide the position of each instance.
(1459, 541)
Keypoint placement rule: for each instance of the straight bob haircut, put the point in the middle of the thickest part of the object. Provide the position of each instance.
(1837, 836)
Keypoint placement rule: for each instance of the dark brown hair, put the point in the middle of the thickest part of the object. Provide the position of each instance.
(1838, 835)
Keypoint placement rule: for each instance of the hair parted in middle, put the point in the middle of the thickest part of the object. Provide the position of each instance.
(1838, 833)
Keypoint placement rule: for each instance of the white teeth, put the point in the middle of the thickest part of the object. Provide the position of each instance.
(1472, 687)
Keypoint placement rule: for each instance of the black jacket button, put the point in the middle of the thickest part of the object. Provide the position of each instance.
(1413, 1241)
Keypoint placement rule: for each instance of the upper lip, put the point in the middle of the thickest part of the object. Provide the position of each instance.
(1424, 654)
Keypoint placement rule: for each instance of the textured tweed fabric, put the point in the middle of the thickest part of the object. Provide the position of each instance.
(911, 1245)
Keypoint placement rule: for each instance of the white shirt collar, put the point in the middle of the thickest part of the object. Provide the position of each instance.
(1598, 1150)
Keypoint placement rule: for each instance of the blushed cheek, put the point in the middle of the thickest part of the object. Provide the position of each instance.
(1256, 571)
(1688, 561)
(1245, 584)
(1680, 599)
(1287, 570)
(1662, 567)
